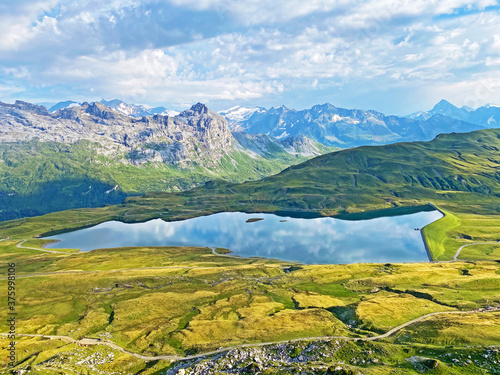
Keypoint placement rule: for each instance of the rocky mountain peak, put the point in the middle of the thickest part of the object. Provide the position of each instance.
(38, 109)
(443, 105)
(63, 105)
(198, 135)
(111, 103)
(485, 116)
(200, 108)
(279, 110)
(200, 115)
(100, 110)
(323, 107)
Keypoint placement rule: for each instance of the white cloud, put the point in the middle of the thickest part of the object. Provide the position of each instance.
(411, 57)
(16, 21)
(263, 11)
(235, 50)
(479, 89)
(19, 72)
(151, 76)
(147, 66)
(10, 89)
(496, 43)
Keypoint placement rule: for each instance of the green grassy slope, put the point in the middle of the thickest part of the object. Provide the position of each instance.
(459, 172)
(37, 178)
(438, 237)
(459, 168)
(171, 300)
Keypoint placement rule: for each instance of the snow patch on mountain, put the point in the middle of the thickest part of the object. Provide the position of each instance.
(62, 105)
(238, 114)
(136, 110)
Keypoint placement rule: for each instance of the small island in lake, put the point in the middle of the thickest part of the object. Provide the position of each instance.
(254, 219)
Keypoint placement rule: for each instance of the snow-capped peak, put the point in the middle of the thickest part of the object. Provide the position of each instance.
(63, 105)
(170, 112)
(135, 110)
(238, 113)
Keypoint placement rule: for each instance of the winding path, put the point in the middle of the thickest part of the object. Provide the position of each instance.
(455, 257)
(90, 341)
(20, 246)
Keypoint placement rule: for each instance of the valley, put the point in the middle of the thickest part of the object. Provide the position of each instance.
(341, 183)
(249, 187)
(151, 307)
(225, 302)
(91, 155)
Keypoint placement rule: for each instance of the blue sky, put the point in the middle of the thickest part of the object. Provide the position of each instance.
(395, 56)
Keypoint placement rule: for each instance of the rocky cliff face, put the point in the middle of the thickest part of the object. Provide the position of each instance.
(89, 155)
(196, 135)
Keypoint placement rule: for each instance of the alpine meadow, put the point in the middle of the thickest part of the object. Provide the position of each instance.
(210, 216)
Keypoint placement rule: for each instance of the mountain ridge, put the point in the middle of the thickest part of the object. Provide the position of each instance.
(486, 116)
(133, 110)
(340, 127)
(458, 170)
(89, 155)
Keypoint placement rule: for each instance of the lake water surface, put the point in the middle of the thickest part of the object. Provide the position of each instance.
(311, 241)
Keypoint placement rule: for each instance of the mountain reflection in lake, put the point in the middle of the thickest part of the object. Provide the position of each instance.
(310, 241)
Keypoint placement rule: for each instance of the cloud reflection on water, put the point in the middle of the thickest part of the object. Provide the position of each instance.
(310, 241)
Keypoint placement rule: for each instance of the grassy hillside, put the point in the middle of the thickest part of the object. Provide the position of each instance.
(177, 301)
(438, 236)
(37, 178)
(458, 172)
(454, 168)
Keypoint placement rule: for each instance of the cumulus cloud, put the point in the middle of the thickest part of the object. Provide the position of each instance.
(17, 18)
(177, 52)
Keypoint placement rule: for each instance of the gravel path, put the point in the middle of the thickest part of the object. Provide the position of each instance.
(455, 257)
(90, 341)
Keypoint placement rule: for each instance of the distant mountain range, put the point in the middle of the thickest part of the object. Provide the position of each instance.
(237, 115)
(452, 169)
(90, 154)
(197, 136)
(134, 110)
(487, 116)
(333, 126)
(63, 105)
(340, 127)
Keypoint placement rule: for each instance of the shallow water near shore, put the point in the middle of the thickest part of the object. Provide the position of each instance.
(322, 240)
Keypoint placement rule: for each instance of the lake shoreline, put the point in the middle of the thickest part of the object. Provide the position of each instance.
(323, 240)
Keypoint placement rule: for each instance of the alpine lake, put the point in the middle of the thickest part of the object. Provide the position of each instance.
(357, 238)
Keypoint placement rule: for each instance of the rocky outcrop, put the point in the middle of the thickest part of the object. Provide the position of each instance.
(197, 135)
(302, 145)
(161, 153)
